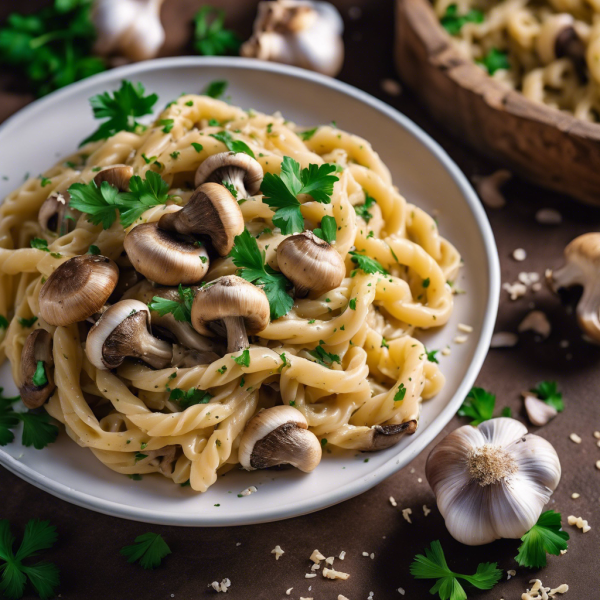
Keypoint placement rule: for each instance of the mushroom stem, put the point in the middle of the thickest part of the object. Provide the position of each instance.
(157, 353)
(281, 446)
(237, 339)
(588, 310)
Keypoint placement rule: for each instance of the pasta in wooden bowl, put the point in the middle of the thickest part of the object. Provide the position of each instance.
(168, 265)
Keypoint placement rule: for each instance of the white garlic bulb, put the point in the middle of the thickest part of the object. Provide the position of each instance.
(492, 481)
(128, 28)
(298, 32)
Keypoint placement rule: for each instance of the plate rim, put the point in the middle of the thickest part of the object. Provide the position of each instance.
(362, 483)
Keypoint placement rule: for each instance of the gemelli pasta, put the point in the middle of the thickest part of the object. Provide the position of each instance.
(295, 275)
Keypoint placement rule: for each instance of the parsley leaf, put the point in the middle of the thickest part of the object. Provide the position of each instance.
(548, 392)
(181, 310)
(307, 134)
(280, 191)
(399, 395)
(367, 264)
(478, 405)
(99, 203)
(243, 360)
(210, 38)
(362, 210)
(328, 229)
(433, 566)
(452, 22)
(3, 322)
(120, 110)
(94, 250)
(431, 356)
(246, 255)
(232, 145)
(323, 357)
(39, 378)
(188, 398)
(43, 577)
(546, 536)
(216, 89)
(149, 549)
(230, 187)
(39, 244)
(143, 194)
(167, 125)
(494, 60)
(197, 147)
(27, 323)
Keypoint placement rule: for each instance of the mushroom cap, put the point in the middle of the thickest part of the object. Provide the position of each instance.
(228, 166)
(37, 347)
(310, 263)
(212, 211)
(279, 435)
(230, 296)
(384, 436)
(109, 356)
(77, 289)
(117, 175)
(162, 257)
(550, 31)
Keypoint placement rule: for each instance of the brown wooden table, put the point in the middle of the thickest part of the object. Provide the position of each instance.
(88, 546)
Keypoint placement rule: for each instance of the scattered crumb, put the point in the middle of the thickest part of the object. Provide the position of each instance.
(504, 339)
(446, 351)
(365, 554)
(539, 592)
(391, 87)
(464, 328)
(536, 287)
(340, 597)
(303, 598)
(277, 551)
(519, 254)
(426, 510)
(412, 470)
(488, 187)
(372, 555)
(510, 573)
(401, 591)
(238, 544)
(515, 290)
(575, 438)
(528, 278)
(406, 512)
(221, 587)
(316, 556)
(579, 522)
(333, 574)
(309, 575)
(342, 555)
(598, 465)
(574, 495)
(563, 551)
(548, 216)
(597, 435)
(392, 501)
(419, 480)
(460, 339)
(248, 491)
(315, 567)
(329, 560)
(288, 591)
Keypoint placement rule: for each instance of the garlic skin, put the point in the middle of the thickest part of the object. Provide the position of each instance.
(298, 32)
(492, 481)
(128, 28)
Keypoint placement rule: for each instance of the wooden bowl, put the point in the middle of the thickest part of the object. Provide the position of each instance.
(546, 146)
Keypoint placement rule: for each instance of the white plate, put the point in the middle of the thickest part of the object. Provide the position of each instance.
(52, 127)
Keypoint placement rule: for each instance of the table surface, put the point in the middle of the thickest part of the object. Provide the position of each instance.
(87, 550)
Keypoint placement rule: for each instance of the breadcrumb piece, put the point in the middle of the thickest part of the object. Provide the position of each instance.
(426, 510)
(519, 254)
(598, 464)
(342, 555)
(575, 438)
(340, 597)
(329, 560)
(221, 587)
(303, 598)
(515, 290)
(309, 575)
(316, 556)
(401, 591)
(510, 573)
(333, 574)
(277, 551)
(419, 480)
(248, 491)
(561, 589)
(315, 567)
(372, 555)
(464, 328)
(446, 351)
(460, 339)
(575, 495)
(288, 591)
(365, 554)
(391, 87)
(597, 435)
(579, 522)
(393, 501)
(406, 512)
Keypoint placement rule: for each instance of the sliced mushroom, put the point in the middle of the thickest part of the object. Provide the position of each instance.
(211, 211)
(233, 303)
(164, 257)
(117, 175)
(239, 169)
(124, 331)
(77, 289)
(582, 267)
(558, 39)
(385, 436)
(279, 436)
(37, 363)
(55, 214)
(538, 411)
(310, 263)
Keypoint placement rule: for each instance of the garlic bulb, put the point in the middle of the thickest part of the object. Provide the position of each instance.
(296, 32)
(128, 28)
(492, 481)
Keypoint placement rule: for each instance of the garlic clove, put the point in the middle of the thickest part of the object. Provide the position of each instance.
(538, 412)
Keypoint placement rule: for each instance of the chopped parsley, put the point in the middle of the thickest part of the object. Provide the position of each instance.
(367, 264)
(210, 37)
(180, 309)
(216, 89)
(352, 304)
(478, 406)
(307, 134)
(27, 323)
(3, 322)
(197, 147)
(400, 393)
(452, 22)
(243, 360)
(149, 549)
(39, 377)
(222, 370)
(426, 282)
(191, 397)
(231, 188)
(494, 60)
(39, 244)
(362, 210)
(328, 229)
(324, 358)
(548, 392)
(232, 145)
(94, 250)
(431, 356)
(167, 125)
(545, 537)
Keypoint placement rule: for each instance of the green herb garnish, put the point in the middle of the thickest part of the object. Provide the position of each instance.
(149, 549)
(210, 37)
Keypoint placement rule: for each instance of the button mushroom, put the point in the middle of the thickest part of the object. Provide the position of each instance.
(55, 214)
(239, 169)
(211, 211)
(116, 175)
(310, 263)
(279, 436)
(582, 267)
(233, 303)
(124, 331)
(37, 369)
(558, 38)
(77, 289)
(164, 257)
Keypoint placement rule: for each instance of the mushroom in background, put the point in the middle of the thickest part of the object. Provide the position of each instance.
(582, 267)
(116, 175)
(304, 34)
(37, 369)
(128, 28)
(558, 38)
(55, 214)
(279, 436)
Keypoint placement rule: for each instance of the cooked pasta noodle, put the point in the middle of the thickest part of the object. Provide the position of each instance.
(552, 48)
(126, 416)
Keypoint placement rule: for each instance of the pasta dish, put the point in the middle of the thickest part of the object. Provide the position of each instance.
(219, 288)
(549, 51)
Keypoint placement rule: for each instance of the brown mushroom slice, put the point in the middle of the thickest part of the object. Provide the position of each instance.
(381, 437)
(77, 289)
(242, 308)
(582, 267)
(279, 436)
(164, 257)
(211, 211)
(124, 331)
(117, 175)
(37, 365)
(239, 169)
(558, 39)
(56, 215)
(310, 263)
